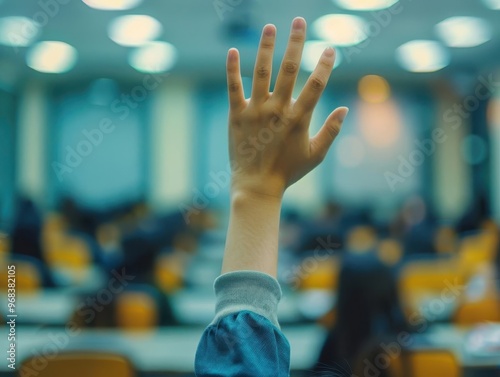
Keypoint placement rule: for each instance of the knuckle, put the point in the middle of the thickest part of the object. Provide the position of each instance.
(262, 72)
(333, 132)
(277, 117)
(233, 87)
(326, 64)
(290, 67)
(317, 83)
(267, 45)
(296, 38)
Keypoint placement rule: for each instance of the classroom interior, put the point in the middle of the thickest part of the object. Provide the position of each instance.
(115, 182)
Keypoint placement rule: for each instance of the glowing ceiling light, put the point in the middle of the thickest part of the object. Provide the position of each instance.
(134, 30)
(313, 51)
(365, 5)
(422, 56)
(18, 31)
(341, 29)
(492, 4)
(153, 57)
(464, 31)
(51, 57)
(112, 4)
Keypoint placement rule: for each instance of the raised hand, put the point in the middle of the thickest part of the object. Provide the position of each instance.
(269, 143)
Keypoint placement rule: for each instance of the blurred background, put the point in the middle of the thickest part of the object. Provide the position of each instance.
(114, 185)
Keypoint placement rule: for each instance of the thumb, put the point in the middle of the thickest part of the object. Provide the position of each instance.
(322, 141)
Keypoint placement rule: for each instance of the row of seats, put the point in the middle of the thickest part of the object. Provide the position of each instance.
(428, 363)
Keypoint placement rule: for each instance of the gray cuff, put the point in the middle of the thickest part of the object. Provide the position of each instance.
(247, 290)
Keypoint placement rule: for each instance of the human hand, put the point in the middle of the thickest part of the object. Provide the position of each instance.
(269, 143)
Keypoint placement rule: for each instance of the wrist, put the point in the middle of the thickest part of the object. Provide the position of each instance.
(255, 199)
(269, 189)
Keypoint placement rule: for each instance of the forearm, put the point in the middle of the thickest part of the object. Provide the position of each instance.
(252, 238)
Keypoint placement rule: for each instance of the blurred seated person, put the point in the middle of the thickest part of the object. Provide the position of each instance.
(98, 311)
(78, 218)
(108, 237)
(138, 263)
(475, 214)
(367, 305)
(418, 227)
(26, 238)
(27, 230)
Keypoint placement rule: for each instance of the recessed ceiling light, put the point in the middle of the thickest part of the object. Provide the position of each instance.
(18, 31)
(492, 4)
(112, 4)
(134, 30)
(51, 57)
(341, 29)
(464, 31)
(365, 4)
(313, 51)
(153, 57)
(422, 56)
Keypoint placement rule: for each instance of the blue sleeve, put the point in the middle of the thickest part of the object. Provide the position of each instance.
(244, 339)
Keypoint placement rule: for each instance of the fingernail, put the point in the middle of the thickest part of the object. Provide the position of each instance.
(269, 30)
(232, 53)
(299, 23)
(342, 116)
(329, 51)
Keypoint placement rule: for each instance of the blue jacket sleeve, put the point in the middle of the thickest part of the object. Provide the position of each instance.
(244, 339)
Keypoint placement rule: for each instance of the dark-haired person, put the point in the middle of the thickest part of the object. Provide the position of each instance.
(244, 339)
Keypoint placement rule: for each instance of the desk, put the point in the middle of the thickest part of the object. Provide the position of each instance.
(196, 306)
(191, 307)
(166, 349)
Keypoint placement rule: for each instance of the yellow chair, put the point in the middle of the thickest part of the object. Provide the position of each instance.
(477, 250)
(79, 364)
(319, 274)
(136, 310)
(429, 276)
(425, 363)
(68, 252)
(469, 313)
(168, 274)
(27, 278)
(421, 280)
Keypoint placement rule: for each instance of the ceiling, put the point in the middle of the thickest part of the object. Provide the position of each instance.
(202, 36)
